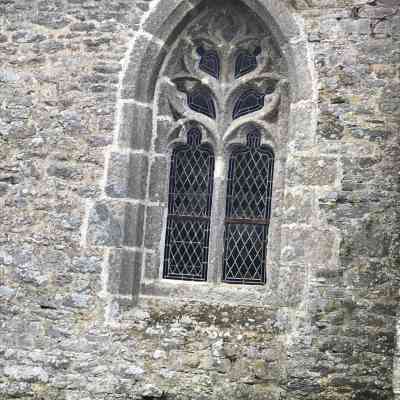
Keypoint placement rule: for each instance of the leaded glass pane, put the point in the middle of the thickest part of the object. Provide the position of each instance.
(248, 210)
(186, 250)
(244, 253)
(189, 208)
(250, 101)
(249, 183)
(209, 62)
(201, 101)
(246, 62)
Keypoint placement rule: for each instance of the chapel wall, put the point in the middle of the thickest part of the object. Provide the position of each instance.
(331, 332)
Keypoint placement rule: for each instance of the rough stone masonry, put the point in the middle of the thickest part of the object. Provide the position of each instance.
(80, 319)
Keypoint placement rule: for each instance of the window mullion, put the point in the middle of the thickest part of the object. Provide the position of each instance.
(215, 260)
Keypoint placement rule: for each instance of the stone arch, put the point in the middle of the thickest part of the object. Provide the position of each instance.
(158, 32)
(117, 221)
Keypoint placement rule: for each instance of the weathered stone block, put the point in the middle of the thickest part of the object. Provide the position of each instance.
(151, 266)
(301, 136)
(113, 224)
(134, 225)
(164, 128)
(390, 99)
(312, 171)
(26, 373)
(118, 175)
(154, 221)
(299, 71)
(63, 170)
(162, 21)
(136, 126)
(124, 272)
(298, 205)
(276, 14)
(82, 27)
(138, 166)
(127, 176)
(159, 179)
(140, 80)
(330, 127)
(293, 244)
(106, 224)
(320, 247)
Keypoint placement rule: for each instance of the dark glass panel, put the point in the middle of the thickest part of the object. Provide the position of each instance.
(250, 101)
(200, 101)
(186, 249)
(244, 253)
(209, 62)
(249, 183)
(248, 209)
(246, 62)
(189, 208)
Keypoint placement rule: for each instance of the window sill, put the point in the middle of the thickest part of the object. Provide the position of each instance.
(206, 292)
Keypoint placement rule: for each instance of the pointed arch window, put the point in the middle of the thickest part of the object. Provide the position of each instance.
(222, 81)
(189, 209)
(248, 210)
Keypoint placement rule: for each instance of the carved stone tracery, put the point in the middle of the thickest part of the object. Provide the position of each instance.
(224, 71)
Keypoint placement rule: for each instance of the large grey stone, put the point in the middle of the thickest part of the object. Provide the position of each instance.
(159, 179)
(154, 223)
(136, 126)
(312, 171)
(124, 272)
(106, 223)
(163, 19)
(127, 176)
(144, 65)
(390, 99)
(113, 224)
(164, 128)
(26, 373)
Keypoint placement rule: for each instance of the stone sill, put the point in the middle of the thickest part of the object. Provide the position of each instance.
(206, 292)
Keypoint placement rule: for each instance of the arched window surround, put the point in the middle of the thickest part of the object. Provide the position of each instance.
(131, 209)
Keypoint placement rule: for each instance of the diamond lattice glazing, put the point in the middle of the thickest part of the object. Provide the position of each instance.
(188, 226)
(247, 212)
(244, 253)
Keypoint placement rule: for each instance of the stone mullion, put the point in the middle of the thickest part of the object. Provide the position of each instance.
(216, 241)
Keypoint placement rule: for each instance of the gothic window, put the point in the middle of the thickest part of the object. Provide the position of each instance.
(248, 209)
(189, 208)
(223, 89)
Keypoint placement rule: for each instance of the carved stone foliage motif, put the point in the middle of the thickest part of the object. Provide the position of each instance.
(224, 73)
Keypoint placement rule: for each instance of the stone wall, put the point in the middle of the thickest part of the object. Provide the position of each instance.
(331, 332)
